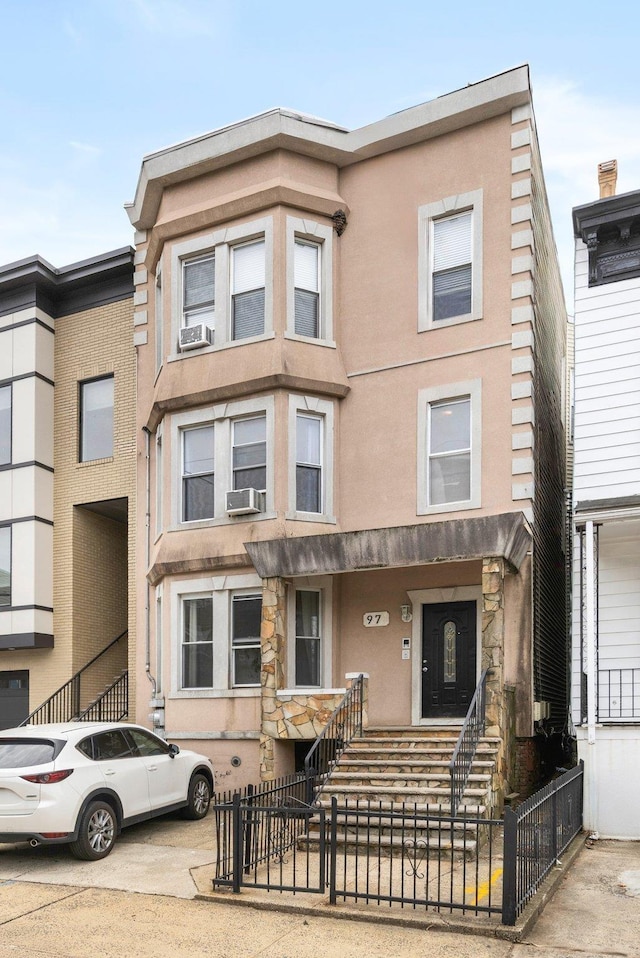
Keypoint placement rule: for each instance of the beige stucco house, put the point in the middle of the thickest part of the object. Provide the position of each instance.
(350, 446)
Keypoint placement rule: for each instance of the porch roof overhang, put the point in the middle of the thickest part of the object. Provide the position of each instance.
(505, 535)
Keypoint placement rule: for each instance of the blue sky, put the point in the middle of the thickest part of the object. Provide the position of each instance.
(87, 87)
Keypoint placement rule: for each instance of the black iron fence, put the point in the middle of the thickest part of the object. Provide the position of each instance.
(470, 734)
(66, 703)
(112, 705)
(269, 837)
(345, 723)
(618, 694)
(535, 836)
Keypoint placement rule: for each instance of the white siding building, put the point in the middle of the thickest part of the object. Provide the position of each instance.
(606, 500)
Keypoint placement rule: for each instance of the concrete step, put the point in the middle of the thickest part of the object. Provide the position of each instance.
(414, 762)
(398, 845)
(404, 779)
(418, 793)
(467, 809)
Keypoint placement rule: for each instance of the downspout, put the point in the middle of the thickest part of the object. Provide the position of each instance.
(590, 641)
(155, 716)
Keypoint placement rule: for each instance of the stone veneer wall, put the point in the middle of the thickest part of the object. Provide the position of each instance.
(497, 717)
(286, 716)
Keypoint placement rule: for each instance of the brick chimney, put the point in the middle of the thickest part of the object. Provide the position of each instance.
(607, 176)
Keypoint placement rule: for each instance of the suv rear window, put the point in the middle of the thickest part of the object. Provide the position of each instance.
(15, 753)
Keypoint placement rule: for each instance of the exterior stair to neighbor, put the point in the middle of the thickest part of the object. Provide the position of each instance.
(387, 767)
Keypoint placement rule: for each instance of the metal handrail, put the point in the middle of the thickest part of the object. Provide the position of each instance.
(112, 705)
(343, 725)
(465, 750)
(64, 704)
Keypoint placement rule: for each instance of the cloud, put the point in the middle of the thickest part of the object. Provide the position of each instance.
(176, 18)
(578, 130)
(85, 148)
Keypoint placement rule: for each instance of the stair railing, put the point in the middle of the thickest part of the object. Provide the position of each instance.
(112, 705)
(343, 725)
(64, 704)
(470, 734)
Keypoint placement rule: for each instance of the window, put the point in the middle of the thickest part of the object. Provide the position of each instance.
(248, 287)
(310, 459)
(198, 291)
(5, 425)
(451, 286)
(5, 565)
(450, 261)
(96, 419)
(250, 453)
(197, 643)
(309, 280)
(223, 662)
(308, 463)
(308, 642)
(246, 617)
(218, 449)
(223, 280)
(307, 288)
(449, 475)
(198, 500)
(159, 319)
(449, 447)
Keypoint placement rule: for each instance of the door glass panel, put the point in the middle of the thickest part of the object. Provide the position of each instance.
(449, 635)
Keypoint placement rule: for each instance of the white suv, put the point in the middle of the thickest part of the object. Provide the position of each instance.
(81, 782)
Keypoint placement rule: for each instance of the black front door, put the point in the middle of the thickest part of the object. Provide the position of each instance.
(448, 659)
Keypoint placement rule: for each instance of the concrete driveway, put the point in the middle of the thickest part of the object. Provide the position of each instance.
(154, 858)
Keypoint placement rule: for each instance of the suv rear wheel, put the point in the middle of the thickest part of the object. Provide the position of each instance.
(97, 832)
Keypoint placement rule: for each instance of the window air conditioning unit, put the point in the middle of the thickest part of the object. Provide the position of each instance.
(242, 502)
(193, 337)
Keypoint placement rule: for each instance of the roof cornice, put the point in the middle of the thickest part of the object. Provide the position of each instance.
(91, 282)
(284, 129)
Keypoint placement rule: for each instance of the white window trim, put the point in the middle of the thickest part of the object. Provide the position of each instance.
(220, 243)
(318, 407)
(418, 598)
(159, 641)
(473, 389)
(323, 237)
(159, 483)
(221, 416)
(324, 585)
(232, 593)
(426, 215)
(220, 589)
(159, 319)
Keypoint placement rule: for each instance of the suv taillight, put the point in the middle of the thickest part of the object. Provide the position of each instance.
(48, 778)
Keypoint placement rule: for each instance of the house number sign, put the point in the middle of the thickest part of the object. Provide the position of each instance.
(372, 620)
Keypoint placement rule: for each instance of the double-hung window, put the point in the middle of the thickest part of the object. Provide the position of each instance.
(246, 616)
(449, 475)
(310, 473)
(198, 291)
(198, 473)
(5, 425)
(5, 565)
(197, 643)
(309, 463)
(308, 638)
(307, 288)
(222, 287)
(449, 447)
(248, 290)
(450, 261)
(452, 266)
(250, 453)
(96, 419)
(309, 269)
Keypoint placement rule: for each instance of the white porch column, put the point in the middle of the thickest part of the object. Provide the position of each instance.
(590, 633)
